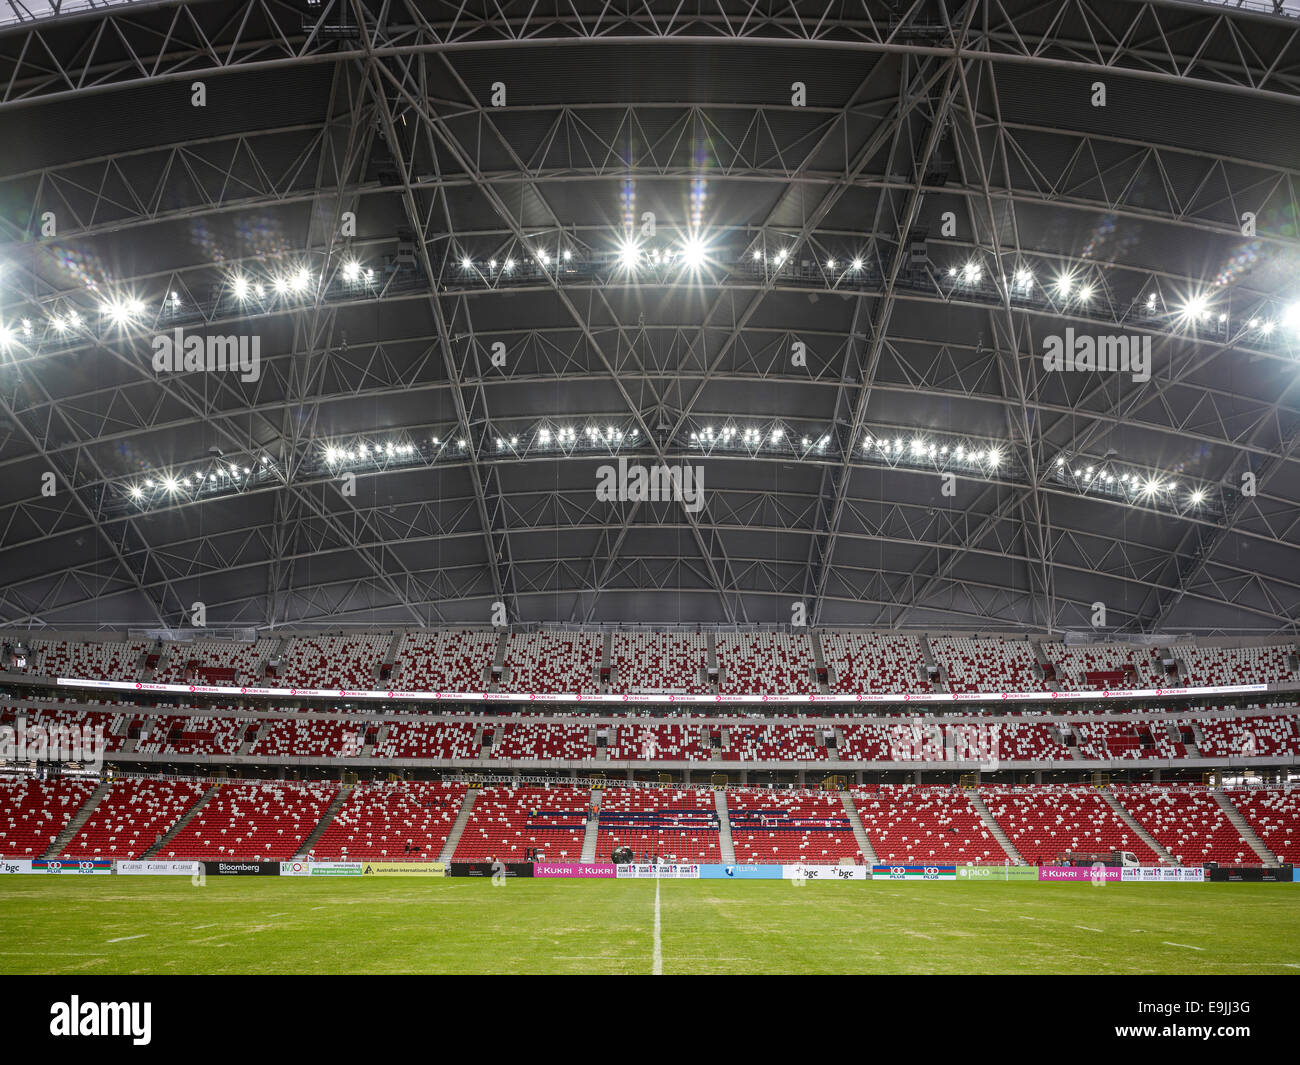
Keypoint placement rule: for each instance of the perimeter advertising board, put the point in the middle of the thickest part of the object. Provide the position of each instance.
(576, 870)
(511, 869)
(236, 868)
(670, 871)
(91, 867)
(913, 872)
(740, 872)
(824, 872)
(159, 868)
(320, 868)
(1283, 875)
(978, 874)
(403, 868)
(1084, 874)
(1163, 874)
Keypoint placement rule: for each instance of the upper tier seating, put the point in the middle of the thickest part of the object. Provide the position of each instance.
(110, 660)
(456, 661)
(391, 822)
(988, 665)
(670, 743)
(678, 824)
(193, 734)
(1275, 817)
(34, 812)
(131, 818)
(325, 662)
(259, 822)
(310, 738)
(765, 663)
(874, 662)
(436, 737)
(552, 662)
(1038, 741)
(909, 824)
(48, 717)
(1214, 666)
(542, 739)
(786, 827)
(505, 823)
(1133, 740)
(216, 662)
(1045, 822)
(659, 662)
(868, 742)
(1190, 825)
(762, 743)
(1104, 666)
(1258, 736)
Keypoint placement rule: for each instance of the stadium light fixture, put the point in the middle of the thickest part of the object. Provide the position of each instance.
(629, 254)
(693, 252)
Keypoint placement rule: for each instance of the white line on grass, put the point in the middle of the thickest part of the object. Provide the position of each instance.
(1087, 928)
(123, 939)
(1187, 945)
(659, 948)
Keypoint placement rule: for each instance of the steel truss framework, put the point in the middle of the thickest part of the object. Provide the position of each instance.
(929, 115)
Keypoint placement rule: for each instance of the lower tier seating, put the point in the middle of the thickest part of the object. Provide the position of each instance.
(1045, 822)
(132, 817)
(1189, 824)
(1275, 817)
(391, 822)
(505, 823)
(784, 828)
(925, 825)
(34, 812)
(677, 824)
(263, 822)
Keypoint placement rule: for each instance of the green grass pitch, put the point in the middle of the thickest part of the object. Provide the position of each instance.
(96, 925)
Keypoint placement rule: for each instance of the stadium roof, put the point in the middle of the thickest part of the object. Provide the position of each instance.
(870, 222)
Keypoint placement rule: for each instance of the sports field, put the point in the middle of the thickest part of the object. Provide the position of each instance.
(268, 925)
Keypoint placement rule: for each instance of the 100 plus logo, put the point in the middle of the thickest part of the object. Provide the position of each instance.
(633, 482)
